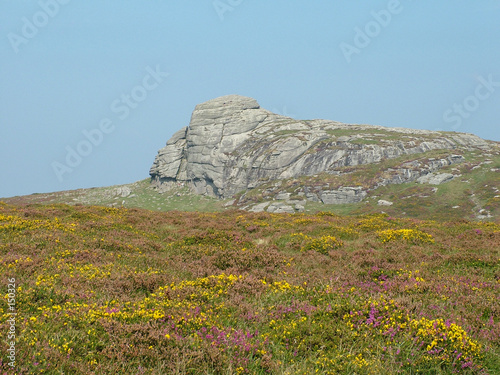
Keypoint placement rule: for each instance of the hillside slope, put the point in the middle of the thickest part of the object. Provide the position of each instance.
(232, 148)
(474, 195)
(102, 290)
(236, 154)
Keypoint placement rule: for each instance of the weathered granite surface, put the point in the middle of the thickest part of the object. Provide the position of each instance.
(233, 145)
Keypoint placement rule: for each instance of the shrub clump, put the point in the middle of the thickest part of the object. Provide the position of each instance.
(322, 244)
(413, 236)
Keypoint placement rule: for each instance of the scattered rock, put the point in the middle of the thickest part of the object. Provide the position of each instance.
(283, 196)
(436, 178)
(382, 202)
(229, 203)
(343, 195)
(123, 191)
(259, 207)
(312, 197)
(299, 207)
(280, 208)
(482, 216)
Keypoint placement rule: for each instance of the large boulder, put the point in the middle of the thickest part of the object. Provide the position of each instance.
(436, 178)
(233, 145)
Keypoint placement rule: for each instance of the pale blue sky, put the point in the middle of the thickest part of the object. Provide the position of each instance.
(64, 66)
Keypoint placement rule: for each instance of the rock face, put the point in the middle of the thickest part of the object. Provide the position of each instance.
(232, 145)
(205, 154)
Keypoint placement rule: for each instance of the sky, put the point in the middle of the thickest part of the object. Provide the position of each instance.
(90, 90)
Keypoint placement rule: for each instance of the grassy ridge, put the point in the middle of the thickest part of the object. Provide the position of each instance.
(142, 195)
(127, 291)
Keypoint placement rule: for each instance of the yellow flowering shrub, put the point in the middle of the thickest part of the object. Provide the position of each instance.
(444, 338)
(374, 222)
(282, 286)
(14, 223)
(434, 340)
(345, 232)
(414, 236)
(322, 245)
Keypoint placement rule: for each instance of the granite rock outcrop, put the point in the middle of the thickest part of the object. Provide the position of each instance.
(232, 145)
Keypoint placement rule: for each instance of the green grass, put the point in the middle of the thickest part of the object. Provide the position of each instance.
(338, 209)
(142, 195)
